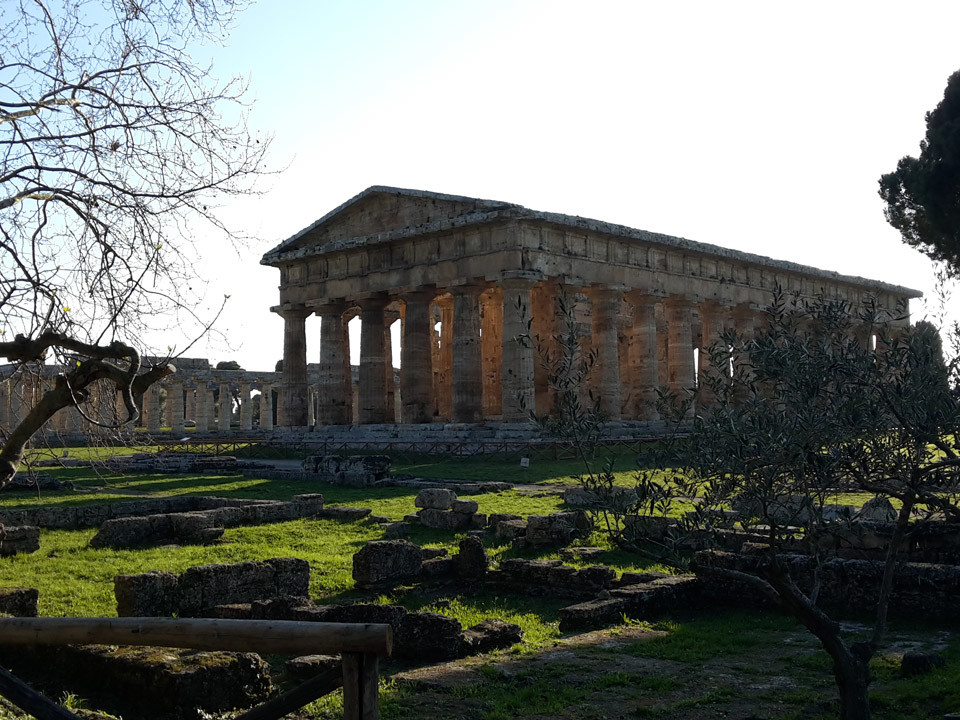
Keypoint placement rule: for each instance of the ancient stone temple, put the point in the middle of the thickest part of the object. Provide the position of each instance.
(466, 277)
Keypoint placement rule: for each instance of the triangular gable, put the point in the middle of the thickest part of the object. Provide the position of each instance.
(380, 209)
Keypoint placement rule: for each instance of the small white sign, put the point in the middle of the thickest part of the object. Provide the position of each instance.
(524, 462)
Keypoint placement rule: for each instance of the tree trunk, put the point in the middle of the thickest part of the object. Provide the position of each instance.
(853, 679)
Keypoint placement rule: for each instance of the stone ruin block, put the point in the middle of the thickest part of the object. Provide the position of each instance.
(429, 636)
(152, 682)
(445, 519)
(435, 499)
(19, 539)
(467, 507)
(557, 529)
(309, 666)
(491, 634)
(352, 471)
(878, 509)
(152, 594)
(616, 498)
(19, 601)
(386, 562)
(199, 590)
(510, 529)
(471, 562)
(640, 601)
(438, 568)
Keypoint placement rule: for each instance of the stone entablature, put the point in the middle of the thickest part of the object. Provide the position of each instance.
(467, 277)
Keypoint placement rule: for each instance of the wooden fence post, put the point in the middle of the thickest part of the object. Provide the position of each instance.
(360, 693)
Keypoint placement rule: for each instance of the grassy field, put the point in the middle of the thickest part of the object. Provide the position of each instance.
(730, 665)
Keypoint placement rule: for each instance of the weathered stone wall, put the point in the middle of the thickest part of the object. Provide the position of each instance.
(849, 587)
(198, 590)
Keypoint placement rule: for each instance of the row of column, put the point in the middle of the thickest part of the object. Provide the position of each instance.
(477, 364)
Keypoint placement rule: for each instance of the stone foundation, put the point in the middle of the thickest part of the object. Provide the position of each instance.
(201, 526)
(198, 590)
(19, 539)
(352, 471)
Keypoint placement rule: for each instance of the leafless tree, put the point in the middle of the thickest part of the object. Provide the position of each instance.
(116, 147)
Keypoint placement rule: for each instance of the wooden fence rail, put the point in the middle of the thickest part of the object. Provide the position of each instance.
(361, 645)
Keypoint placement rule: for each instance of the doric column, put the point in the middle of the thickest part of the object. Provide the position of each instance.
(175, 406)
(389, 377)
(335, 388)
(543, 311)
(5, 404)
(443, 361)
(644, 357)
(491, 350)
(416, 367)
(681, 369)
(712, 316)
(190, 400)
(266, 406)
(226, 408)
(151, 408)
(246, 409)
(201, 419)
(293, 387)
(373, 391)
(467, 373)
(518, 392)
(745, 325)
(606, 307)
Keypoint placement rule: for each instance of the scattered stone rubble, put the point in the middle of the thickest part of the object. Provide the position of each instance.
(37, 481)
(198, 590)
(440, 509)
(201, 526)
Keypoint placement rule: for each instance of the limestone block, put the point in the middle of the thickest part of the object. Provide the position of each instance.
(19, 539)
(471, 561)
(435, 498)
(386, 562)
(191, 527)
(616, 498)
(596, 577)
(19, 601)
(467, 507)
(491, 634)
(478, 522)
(430, 553)
(152, 594)
(308, 504)
(559, 528)
(392, 615)
(233, 611)
(592, 614)
(429, 636)
(878, 509)
(444, 519)
(392, 530)
(511, 529)
(308, 666)
(439, 568)
(495, 518)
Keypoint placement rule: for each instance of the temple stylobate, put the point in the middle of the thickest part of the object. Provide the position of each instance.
(465, 277)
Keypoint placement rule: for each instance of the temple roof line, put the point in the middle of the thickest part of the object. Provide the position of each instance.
(493, 210)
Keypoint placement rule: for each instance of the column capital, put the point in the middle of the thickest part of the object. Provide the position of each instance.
(375, 301)
(680, 301)
(331, 306)
(289, 311)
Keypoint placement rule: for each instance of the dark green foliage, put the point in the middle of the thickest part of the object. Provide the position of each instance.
(228, 365)
(923, 194)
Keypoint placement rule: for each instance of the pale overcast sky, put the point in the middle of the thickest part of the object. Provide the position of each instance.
(759, 126)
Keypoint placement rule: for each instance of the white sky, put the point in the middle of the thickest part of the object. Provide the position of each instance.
(759, 126)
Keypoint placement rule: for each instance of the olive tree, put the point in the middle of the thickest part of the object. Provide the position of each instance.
(821, 399)
(116, 147)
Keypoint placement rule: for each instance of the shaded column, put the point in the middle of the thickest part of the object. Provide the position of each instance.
(606, 306)
(443, 367)
(681, 371)
(372, 391)
(335, 405)
(175, 406)
(225, 407)
(246, 409)
(416, 362)
(5, 405)
(712, 315)
(293, 386)
(151, 408)
(266, 406)
(491, 350)
(518, 391)
(466, 396)
(190, 401)
(745, 325)
(543, 316)
(644, 357)
(389, 377)
(202, 420)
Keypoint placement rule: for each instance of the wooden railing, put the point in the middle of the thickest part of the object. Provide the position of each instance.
(360, 645)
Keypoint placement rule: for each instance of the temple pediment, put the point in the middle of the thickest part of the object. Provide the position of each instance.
(380, 209)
